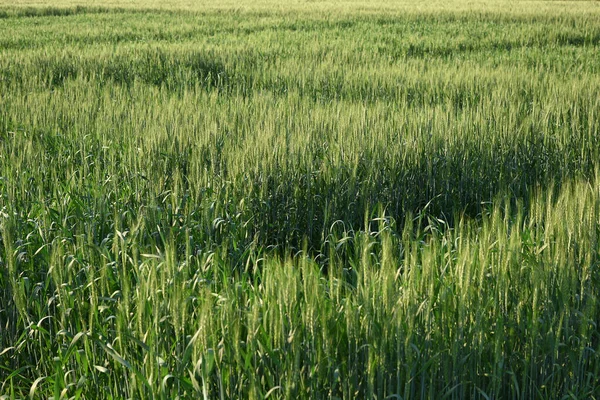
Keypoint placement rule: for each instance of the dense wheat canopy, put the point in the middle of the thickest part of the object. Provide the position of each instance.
(301, 199)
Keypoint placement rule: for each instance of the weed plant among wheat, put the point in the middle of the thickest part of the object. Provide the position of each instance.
(303, 200)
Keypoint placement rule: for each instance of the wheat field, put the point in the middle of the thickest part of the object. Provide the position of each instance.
(303, 199)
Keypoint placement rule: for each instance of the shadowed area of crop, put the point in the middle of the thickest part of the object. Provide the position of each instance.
(288, 171)
(154, 67)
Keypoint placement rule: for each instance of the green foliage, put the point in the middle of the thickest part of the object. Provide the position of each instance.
(298, 204)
